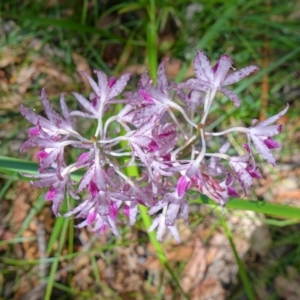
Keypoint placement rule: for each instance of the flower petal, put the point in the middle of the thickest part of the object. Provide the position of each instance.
(142, 141)
(35, 119)
(239, 75)
(52, 115)
(231, 96)
(203, 68)
(85, 103)
(183, 185)
(148, 112)
(93, 84)
(158, 206)
(274, 118)
(172, 212)
(221, 69)
(266, 130)
(86, 179)
(64, 109)
(175, 233)
(146, 96)
(103, 204)
(271, 144)
(162, 81)
(59, 197)
(263, 150)
(119, 86)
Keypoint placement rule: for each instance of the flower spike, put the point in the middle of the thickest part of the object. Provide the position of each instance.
(161, 129)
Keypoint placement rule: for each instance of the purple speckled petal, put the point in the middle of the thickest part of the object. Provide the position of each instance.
(263, 150)
(239, 75)
(231, 96)
(221, 69)
(162, 80)
(119, 86)
(203, 68)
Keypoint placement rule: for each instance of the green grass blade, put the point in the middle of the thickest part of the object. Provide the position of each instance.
(264, 207)
(65, 24)
(12, 164)
(17, 240)
(84, 12)
(244, 277)
(35, 262)
(33, 212)
(151, 32)
(63, 288)
(17, 165)
(152, 50)
(55, 233)
(280, 223)
(7, 185)
(51, 279)
(267, 70)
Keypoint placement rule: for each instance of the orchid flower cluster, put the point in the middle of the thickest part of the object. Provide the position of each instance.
(153, 128)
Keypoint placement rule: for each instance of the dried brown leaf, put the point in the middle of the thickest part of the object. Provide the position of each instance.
(207, 290)
(179, 253)
(196, 267)
(288, 289)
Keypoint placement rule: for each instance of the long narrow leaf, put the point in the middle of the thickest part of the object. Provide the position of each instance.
(51, 279)
(12, 164)
(264, 207)
(290, 212)
(17, 165)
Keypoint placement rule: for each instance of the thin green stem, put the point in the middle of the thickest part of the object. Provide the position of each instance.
(152, 40)
(242, 271)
